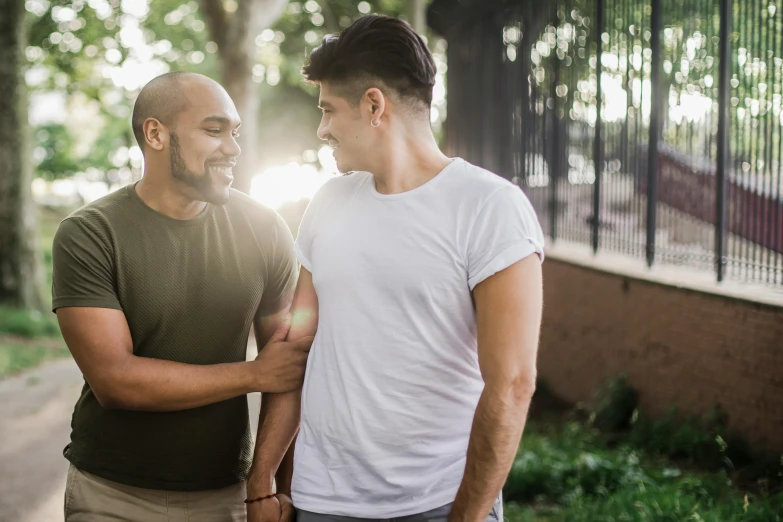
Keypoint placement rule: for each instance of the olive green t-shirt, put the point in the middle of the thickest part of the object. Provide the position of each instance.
(189, 290)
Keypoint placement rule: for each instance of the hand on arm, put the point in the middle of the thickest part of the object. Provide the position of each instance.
(100, 341)
(279, 421)
(508, 311)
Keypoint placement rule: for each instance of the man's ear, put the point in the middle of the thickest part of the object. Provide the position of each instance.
(376, 101)
(156, 135)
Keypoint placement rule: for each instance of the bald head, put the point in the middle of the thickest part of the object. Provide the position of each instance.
(164, 98)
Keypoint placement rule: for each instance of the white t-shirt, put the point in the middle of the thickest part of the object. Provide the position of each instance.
(393, 379)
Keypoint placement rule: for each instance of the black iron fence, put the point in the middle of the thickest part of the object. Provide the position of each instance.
(676, 102)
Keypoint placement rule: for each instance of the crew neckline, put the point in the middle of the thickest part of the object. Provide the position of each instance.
(203, 215)
(412, 192)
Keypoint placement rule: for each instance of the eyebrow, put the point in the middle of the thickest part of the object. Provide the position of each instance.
(220, 119)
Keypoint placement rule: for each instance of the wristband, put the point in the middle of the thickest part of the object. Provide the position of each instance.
(259, 499)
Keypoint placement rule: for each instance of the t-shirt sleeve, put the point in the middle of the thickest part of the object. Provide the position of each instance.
(281, 270)
(505, 231)
(82, 268)
(304, 239)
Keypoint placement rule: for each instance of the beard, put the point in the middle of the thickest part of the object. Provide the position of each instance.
(201, 183)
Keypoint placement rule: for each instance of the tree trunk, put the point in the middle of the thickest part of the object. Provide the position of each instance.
(416, 13)
(238, 80)
(235, 35)
(21, 281)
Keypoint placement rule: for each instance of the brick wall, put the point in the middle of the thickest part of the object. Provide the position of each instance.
(678, 347)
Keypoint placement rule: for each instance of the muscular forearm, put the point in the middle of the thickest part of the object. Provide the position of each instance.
(145, 384)
(285, 472)
(278, 425)
(494, 439)
(279, 419)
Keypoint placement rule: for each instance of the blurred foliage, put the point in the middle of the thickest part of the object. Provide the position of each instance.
(703, 441)
(98, 54)
(564, 52)
(615, 406)
(27, 323)
(568, 472)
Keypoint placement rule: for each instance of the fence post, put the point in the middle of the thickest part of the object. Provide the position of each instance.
(598, 144)
(723, 137)
(655, 126)
(555, 170)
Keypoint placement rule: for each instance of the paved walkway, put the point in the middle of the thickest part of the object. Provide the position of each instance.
(35, 418)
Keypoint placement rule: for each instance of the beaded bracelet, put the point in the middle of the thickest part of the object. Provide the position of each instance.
(259, 499)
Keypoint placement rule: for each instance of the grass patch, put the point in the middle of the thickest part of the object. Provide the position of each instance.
(28, 323)
(568, 473)
(704, 442)
(608, 463)
(18, 354)
(30, 337)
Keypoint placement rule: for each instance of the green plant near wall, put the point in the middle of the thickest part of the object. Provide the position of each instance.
(615, 407)
(702, 441)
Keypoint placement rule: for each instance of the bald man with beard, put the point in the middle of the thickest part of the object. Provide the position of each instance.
(156, 287)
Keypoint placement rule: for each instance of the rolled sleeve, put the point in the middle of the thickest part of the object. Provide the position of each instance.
(506, 230)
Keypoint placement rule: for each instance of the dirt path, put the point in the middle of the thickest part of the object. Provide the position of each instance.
(35, 419)
(35, 408)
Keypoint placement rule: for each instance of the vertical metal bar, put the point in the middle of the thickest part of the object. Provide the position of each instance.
(723, 136)
(655, 114)
(609, 181)
(555, 170)
(745, 20)
(598, 144)
(777, 194)
(637, 117)
(765, 224)
(734, 245)
(755, 139)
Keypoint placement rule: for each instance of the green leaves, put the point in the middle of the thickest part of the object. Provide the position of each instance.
(568, 473)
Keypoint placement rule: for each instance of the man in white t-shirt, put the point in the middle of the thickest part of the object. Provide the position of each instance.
(421, 280)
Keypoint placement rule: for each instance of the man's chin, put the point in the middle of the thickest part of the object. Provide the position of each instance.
(344, 167)
(219, 197)
(216, 195)
(218, 192)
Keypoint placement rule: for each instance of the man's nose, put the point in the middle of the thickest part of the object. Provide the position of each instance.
(231, 147)
(322, 133)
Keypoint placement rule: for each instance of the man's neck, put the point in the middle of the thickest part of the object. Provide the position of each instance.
(163, 196)
(409, 163)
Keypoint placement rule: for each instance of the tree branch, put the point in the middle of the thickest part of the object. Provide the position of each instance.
(249, 20)
(331, 21)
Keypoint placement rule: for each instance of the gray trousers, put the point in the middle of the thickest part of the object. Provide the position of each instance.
(440, 514)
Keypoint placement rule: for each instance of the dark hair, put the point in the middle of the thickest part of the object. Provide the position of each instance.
(375, 48)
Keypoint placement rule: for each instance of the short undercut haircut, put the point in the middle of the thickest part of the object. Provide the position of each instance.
(163, 98)
(376, 51)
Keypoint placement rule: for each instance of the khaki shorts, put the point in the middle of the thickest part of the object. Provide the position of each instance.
(92, 499)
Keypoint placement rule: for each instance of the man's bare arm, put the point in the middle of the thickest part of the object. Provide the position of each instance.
(280, 412)
(100, 341)
(508, 310)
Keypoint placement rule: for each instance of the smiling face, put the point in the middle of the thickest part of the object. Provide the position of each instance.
(203, 145)
(345, 127)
